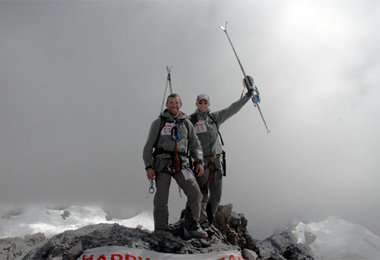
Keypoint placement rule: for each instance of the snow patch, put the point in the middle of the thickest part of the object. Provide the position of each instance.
(336, 238)
(52, 221)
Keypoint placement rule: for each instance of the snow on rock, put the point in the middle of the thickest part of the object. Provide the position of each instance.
(52, 221)
(336, 238)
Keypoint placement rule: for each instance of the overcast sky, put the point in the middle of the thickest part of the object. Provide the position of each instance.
(81, 82)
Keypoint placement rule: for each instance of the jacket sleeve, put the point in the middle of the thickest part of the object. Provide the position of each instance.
(195, 146)
(224, 114)
(150, 142)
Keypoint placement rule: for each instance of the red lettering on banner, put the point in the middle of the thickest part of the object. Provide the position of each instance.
(231, 257)
(133, 257)
(113, 257)
(84, 257)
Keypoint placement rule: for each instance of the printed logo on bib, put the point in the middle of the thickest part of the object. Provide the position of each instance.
(167, 129)
(200, 127)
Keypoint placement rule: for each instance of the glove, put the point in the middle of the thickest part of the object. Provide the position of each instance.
(248, 82)
(249, 92)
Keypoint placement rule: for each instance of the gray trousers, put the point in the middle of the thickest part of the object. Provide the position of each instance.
(187, 182)
(211, 188)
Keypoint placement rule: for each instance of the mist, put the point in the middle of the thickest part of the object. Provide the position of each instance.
(81, 82)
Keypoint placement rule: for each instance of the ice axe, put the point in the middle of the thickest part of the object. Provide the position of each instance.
(250, 82)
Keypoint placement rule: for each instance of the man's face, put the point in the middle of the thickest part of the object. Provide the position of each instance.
(202, 105)
(174, 105)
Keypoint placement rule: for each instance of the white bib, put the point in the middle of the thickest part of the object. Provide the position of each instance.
(167, 129)
(200, 127)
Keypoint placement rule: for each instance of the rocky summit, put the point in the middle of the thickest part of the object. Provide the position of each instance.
(228, 233)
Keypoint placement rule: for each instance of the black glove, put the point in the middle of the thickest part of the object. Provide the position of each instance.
(248, 82)
(249, 92)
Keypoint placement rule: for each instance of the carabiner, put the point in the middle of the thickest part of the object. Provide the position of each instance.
(151, 188)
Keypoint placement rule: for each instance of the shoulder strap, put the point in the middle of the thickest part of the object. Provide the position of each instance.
(187, 126)
(162, 124)
(193, 118)
(184, 121)
(217, 127)
(213, 120)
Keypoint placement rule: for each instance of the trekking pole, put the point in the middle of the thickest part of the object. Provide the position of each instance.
(168, 82)
(256, 91)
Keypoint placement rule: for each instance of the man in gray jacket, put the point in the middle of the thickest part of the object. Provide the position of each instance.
(206, 126)
(171, 138)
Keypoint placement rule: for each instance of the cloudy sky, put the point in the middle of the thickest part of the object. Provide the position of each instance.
(81, 82)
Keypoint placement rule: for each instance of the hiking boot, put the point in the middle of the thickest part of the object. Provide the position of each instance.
(205, 225)
(211, 230)
(197, 232)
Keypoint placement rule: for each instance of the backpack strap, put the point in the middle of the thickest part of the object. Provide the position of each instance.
(193, 118)
(217, 127)
(162, 124)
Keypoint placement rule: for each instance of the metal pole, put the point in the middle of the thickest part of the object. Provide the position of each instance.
(168, 82)
(224, 28)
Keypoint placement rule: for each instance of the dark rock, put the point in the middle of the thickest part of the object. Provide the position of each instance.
(234, 227)
(65, 214)
(279, 246)
(283, 246)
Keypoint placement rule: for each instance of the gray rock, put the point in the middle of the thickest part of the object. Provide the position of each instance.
(310, 237)
(283, 246)
(250, 255)
(17, 247)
